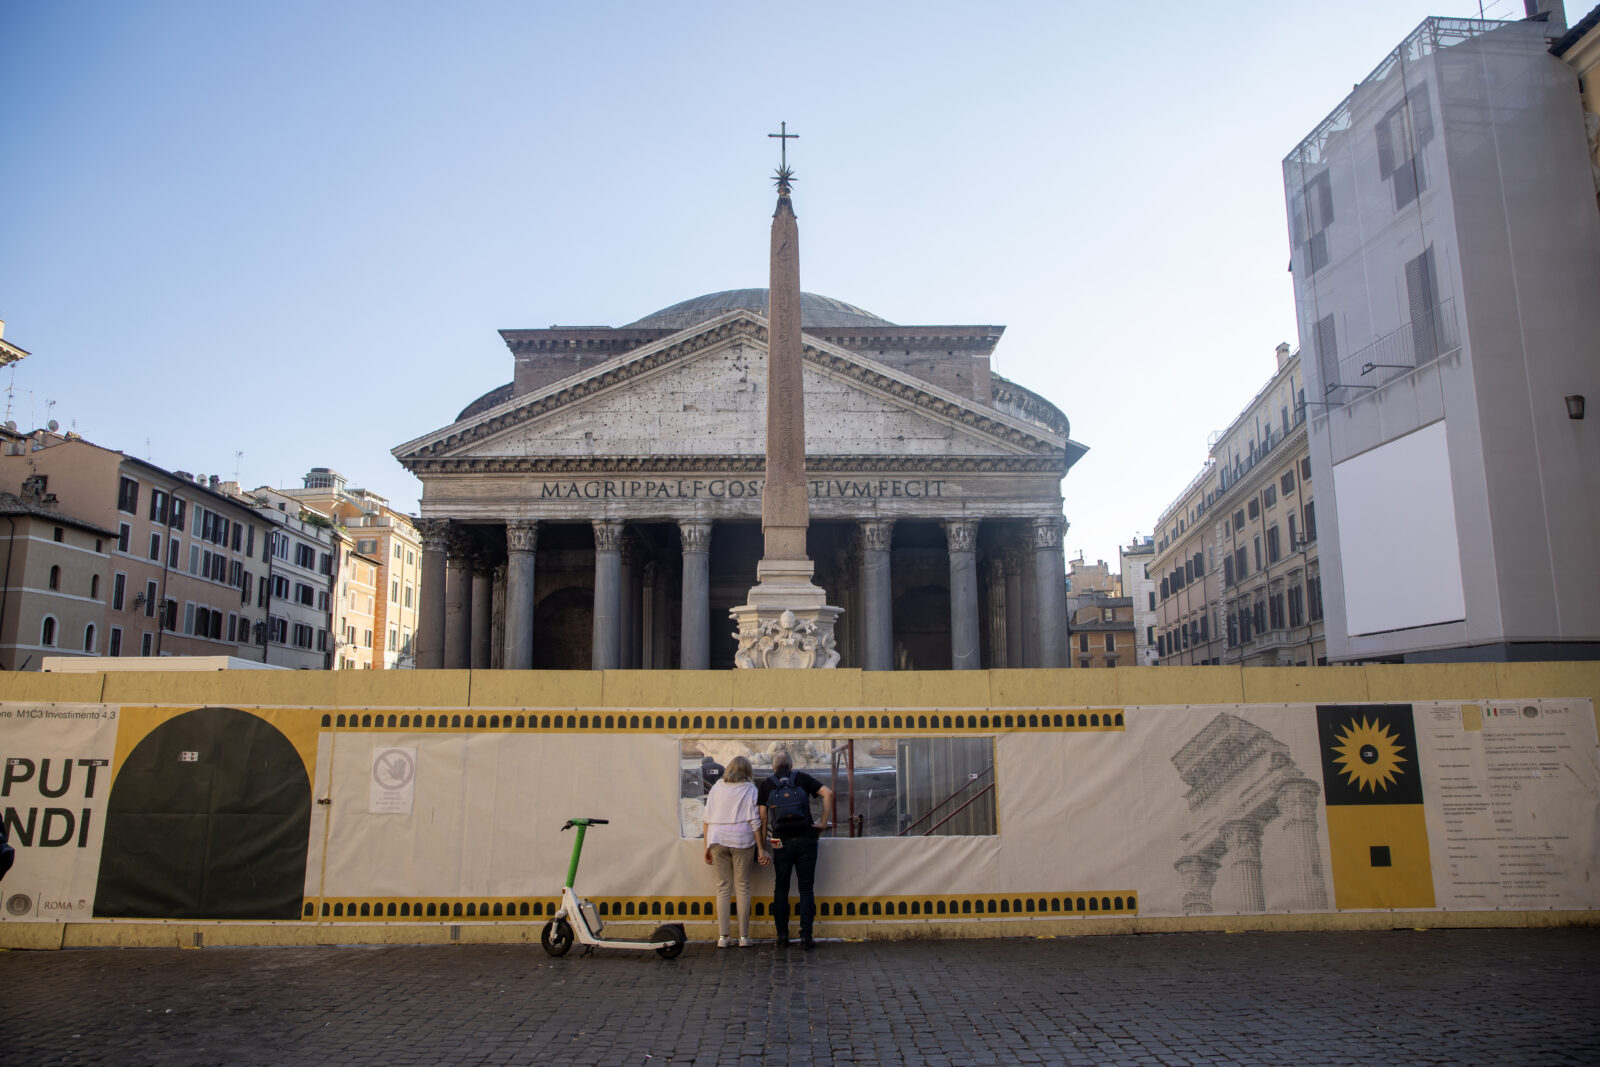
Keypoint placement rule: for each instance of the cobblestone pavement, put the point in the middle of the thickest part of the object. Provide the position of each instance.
(1456, 997)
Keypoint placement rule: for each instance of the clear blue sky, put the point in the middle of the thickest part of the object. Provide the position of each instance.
(292, 229)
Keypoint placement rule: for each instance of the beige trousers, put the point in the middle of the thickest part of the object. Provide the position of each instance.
(733, 877)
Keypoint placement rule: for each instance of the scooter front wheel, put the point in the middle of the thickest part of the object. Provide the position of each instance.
(557, 937)
(673, 934)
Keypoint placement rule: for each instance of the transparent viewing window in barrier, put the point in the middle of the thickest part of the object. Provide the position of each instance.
(883, 787)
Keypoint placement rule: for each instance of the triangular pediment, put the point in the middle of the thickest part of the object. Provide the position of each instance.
(701, 393)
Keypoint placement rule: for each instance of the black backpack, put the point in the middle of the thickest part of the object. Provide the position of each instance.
(788, 808)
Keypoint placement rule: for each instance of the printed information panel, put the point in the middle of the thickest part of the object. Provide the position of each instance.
(54, 779)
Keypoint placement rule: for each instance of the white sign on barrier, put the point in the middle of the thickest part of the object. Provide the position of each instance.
(393, 788)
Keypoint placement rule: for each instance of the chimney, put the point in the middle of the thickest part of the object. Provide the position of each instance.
(1283, 354)
(1553, 12)
(214, 481)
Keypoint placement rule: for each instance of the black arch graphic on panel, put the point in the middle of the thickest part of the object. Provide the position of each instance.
(207, 819)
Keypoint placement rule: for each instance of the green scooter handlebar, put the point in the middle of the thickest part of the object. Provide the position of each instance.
(577, 844)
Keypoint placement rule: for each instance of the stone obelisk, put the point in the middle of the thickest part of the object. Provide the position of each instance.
(787, 621)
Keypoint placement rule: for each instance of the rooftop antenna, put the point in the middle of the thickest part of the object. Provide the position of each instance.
(237, 457)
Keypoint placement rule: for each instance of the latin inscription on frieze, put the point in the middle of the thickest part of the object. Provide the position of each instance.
(738, 488)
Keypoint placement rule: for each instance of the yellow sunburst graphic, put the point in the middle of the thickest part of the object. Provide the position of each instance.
(1370, 755)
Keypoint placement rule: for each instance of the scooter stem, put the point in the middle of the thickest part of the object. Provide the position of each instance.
(577, 848)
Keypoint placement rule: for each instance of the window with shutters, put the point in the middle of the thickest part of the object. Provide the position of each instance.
(1422, 293)
(1311, 522)
(1401, 135)
(1227, 571)
(158, 506)
(179, 508)
(1297, 606)
(1238, 519)
(123, 532)
(1274, 550)
(1255, 508)
(1312, 213)
(128, 496)
(1257, 541)
(1305, 469)
(1327, 344)
(1269, 496)
(1241, 565)
(1286, 483)
(1314, 597)
(1083, 642)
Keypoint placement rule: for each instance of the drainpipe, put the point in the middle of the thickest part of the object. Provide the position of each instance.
(11, 544)
(266, 623)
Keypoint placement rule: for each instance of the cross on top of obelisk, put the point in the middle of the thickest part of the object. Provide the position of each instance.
(784, 176)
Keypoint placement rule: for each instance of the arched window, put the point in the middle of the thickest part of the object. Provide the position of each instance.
(88, 638)
(94, 587)
(55, 577)
(47, 632)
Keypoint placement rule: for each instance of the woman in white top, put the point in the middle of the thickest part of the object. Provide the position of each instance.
(732, 841)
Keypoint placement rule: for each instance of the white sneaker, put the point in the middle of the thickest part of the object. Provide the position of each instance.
(744, 942)
(722, 942)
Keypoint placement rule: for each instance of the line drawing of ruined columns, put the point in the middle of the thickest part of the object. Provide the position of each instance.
(1240, 877)
(1300, 800)
(1240, 779)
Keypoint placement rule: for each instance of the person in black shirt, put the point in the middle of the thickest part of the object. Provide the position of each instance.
(784, 801)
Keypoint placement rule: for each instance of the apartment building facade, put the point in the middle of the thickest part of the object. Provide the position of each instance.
(297, 592)
(1100, 632)
(1236, 574)
(56, 577)
(385, 541)
(1134, 559)
(185, 559)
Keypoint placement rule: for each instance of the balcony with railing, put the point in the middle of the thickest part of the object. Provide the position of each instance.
(1421, 341)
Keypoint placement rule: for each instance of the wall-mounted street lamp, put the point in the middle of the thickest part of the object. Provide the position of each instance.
(1575, 406)
(1368, 368)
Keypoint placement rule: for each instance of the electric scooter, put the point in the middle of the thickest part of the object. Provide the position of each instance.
(579, 918)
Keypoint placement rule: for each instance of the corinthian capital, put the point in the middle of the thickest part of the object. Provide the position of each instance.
(435, 534)
(696, 537)
(607, 535)
(877, 535)
(1047, 533)
(961, 535)
(522, 536)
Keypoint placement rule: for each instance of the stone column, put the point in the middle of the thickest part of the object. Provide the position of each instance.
(1300, 800)
(606, 652)
(995, 572)
(1199, 874)
(522, 540)
(1030, 608)
(1016, 645)
(1050, 572)
(497, 642)
(482, 607)
(1240, 889)
(458, 605)
(661, 613)
(877, 594)
(961, 537)
(694, 627)
(627, 609)
(431, 596)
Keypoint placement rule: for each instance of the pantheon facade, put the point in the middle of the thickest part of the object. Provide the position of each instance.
(603, 508)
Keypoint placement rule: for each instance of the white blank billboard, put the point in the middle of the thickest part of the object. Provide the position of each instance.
(1397, 535)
